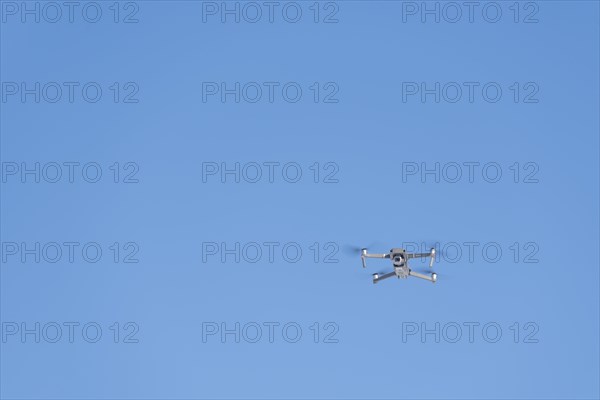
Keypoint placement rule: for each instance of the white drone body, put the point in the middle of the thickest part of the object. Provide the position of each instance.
(400, 259)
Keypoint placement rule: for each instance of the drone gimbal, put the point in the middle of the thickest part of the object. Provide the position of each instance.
(400, 259)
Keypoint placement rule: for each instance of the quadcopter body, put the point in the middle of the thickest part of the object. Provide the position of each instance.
(400, 259)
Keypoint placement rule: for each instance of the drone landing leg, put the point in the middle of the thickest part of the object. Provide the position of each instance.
(377, 277)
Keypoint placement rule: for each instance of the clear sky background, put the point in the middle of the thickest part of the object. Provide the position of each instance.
(367, 124)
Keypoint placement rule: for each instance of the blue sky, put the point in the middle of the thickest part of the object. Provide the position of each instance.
(180, 192)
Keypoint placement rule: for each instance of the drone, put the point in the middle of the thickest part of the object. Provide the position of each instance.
(400, 259)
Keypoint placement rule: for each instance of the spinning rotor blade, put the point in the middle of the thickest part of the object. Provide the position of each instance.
(353, 250)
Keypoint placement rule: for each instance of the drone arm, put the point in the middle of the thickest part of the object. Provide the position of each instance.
(377, 277)
(422, 255)
(431, 278)
(417, 255)
(364, 255)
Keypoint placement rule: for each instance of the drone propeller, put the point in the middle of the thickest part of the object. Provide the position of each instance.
(353, 250)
